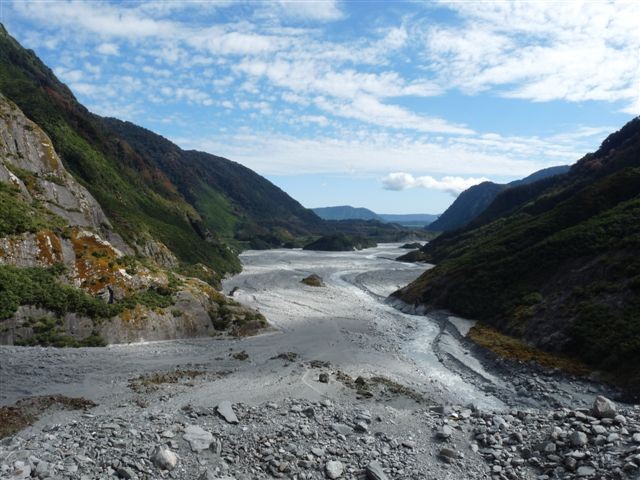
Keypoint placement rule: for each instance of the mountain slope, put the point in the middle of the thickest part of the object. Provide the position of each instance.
(473, 201)
(154, 193)
(562, 269)
(346, 212)
(67, 279)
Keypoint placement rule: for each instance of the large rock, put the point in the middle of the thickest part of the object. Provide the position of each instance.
(225, 410)
(578, 439)
(334, 469)
(374, 471)
(198, 438)
(603, 407)
(164, 458)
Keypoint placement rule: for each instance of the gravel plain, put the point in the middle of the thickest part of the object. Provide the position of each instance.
(344, 385)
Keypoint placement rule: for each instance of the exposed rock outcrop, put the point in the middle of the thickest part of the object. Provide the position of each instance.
(66, 226)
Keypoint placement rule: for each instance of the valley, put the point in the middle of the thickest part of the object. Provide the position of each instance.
(339, 350)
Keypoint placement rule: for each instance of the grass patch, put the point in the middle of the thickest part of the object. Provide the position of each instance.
(508, 347)
(153, 381)
(49, 332)
(19, 216)
(25, 412)
(383, 386)
(41, 287)
(313, 280)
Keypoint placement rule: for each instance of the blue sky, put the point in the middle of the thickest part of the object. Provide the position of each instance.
(394, 106)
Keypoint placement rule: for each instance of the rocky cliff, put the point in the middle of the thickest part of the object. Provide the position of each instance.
(67, 278)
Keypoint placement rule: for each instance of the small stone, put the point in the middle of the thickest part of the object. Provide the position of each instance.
(448, 452)
(361, 427)
(578, 439)
(333, 469)
(198, 438)
(603, 407)
(164, 458)
(636, 437)
(124, 472)
(225, 410)
(341, 428)
(43, 469)
(445, 432)
(585, 471)
(374, 471)
(570, 463)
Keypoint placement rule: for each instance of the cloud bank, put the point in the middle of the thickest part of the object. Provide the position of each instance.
(453, 185)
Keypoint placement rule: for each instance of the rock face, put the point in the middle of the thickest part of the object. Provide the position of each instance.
(67, 226)
(29, 162)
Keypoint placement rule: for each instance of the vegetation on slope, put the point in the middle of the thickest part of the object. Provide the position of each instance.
(340, 243)
(190, 201)
(562, 270)
(473, 202)
(19, 216)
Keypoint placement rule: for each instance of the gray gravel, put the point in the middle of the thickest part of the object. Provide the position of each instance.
(346, 387)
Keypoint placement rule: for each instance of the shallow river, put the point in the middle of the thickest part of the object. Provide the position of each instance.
(346, 323)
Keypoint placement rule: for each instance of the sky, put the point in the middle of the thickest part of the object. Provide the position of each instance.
(394, 106)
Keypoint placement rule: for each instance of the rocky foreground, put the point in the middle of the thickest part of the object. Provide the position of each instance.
(302, 439)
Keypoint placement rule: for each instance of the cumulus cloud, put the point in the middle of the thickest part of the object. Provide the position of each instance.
(453, 185)
(108, 49)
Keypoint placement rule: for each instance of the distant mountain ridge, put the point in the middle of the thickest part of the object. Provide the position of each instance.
(347, 212)
(473, 201)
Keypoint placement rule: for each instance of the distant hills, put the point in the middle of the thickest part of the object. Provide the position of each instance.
(347, 212)
(473, 201)
(555, 262)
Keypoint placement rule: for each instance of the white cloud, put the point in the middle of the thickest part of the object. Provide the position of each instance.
(452, 185)
(541, 51)
(370, 110)
(101, 19)
(108, 49)
(372, 152)
(319, 10)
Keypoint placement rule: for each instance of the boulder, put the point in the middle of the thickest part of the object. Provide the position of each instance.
(164, 458)
(334, 469)
(603, 408)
